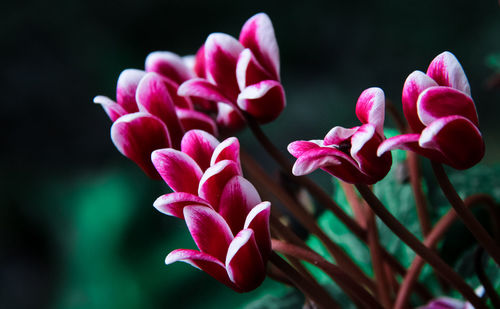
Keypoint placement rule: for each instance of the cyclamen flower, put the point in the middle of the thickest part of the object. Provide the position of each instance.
(442, 115)
(148, 114)
(223, 211)
(240, 74)
(446, 303)
(349, 154)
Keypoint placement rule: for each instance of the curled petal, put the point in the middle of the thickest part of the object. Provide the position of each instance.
(169, 65)
(199, 64)
(126, 87)
(137, 135)
(457, 138)
(264, 100)
(177, 169)
(370, 108)
(189, 61)
(244, 264)
(215, 179)
(173, 204)
(201, 88)
(191, 119)
(258, 220)
(200, 146)
(203, 261)
(179, 101)
(258, 35)
(209, 230)
(153, 97)
(447, 71)
(229, 149)
(408, 142)
(414, 85)
(437, 102)
(338, 134)
(298, 148)
(249, 71)
(238, 197)
(113, 109)
(221, 54)
(229, 118)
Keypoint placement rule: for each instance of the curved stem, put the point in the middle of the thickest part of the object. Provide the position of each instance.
(431, 257)
(484, 239)
(431, 241)
(319, 297)
(335, 272)
(485, 281)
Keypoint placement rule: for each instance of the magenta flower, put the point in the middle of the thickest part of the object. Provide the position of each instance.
(445, 303)
(240, 74)
(441, 115)
(148, 114)
(349, 154)
(223, 211)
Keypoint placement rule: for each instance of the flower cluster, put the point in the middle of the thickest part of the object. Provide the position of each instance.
(223, 211)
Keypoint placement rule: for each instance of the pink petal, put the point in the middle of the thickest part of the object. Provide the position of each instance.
(173, 204)
(189, 61)
(238, 197)
(153, 97)
(203, 261)
(338, 134)
(221, 54)
(414, 85)
(229, 119)
(215, 179)
(447, 71)
(437, 102)
(126, 87)
(244, 264)
(408, 142)
(298, 148)
(169, 65)
(199, 64)
(209, 230)
(258, 35)
(200, 146)
(179, 101)
(191, 119)
(113, 109)
(457, 138)
(258, 220)
(201, 88)
(229, 149)
(264, 100)
(370, 108)
(249, 71)
(137, 135)
(177, 169)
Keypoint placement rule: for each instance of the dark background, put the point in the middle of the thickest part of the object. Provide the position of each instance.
(77, 229)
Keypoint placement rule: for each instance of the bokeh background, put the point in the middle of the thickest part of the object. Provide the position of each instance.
(77, 226)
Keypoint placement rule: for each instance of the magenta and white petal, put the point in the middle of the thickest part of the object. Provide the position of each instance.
(298, 148)
(178, 170)
(338, 134)
(315, 158)
(192, 119)
(202, 261)
(113, 109)
(244, 264)
(370, 108)
(228, 149)
(137, 135)
(199, 64)
(209, 230)
(126, 87)
(249, 71)
(173, 204)
(169, 65)
(179, 101)
(229, 119)
(221, 55)
(437, 102)
(153, 97)
(258, 220)
(189, 61)
(408, 142)
(265, 100)
(414, 85)
(457, 138)
(200, 146)
(238, 197)
(447, 71)
(215, 179)
(258, 35)
(201, 88)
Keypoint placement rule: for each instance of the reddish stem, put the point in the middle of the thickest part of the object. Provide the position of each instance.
(416, 185)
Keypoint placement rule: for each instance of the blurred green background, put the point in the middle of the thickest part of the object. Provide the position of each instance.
(77, 226)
